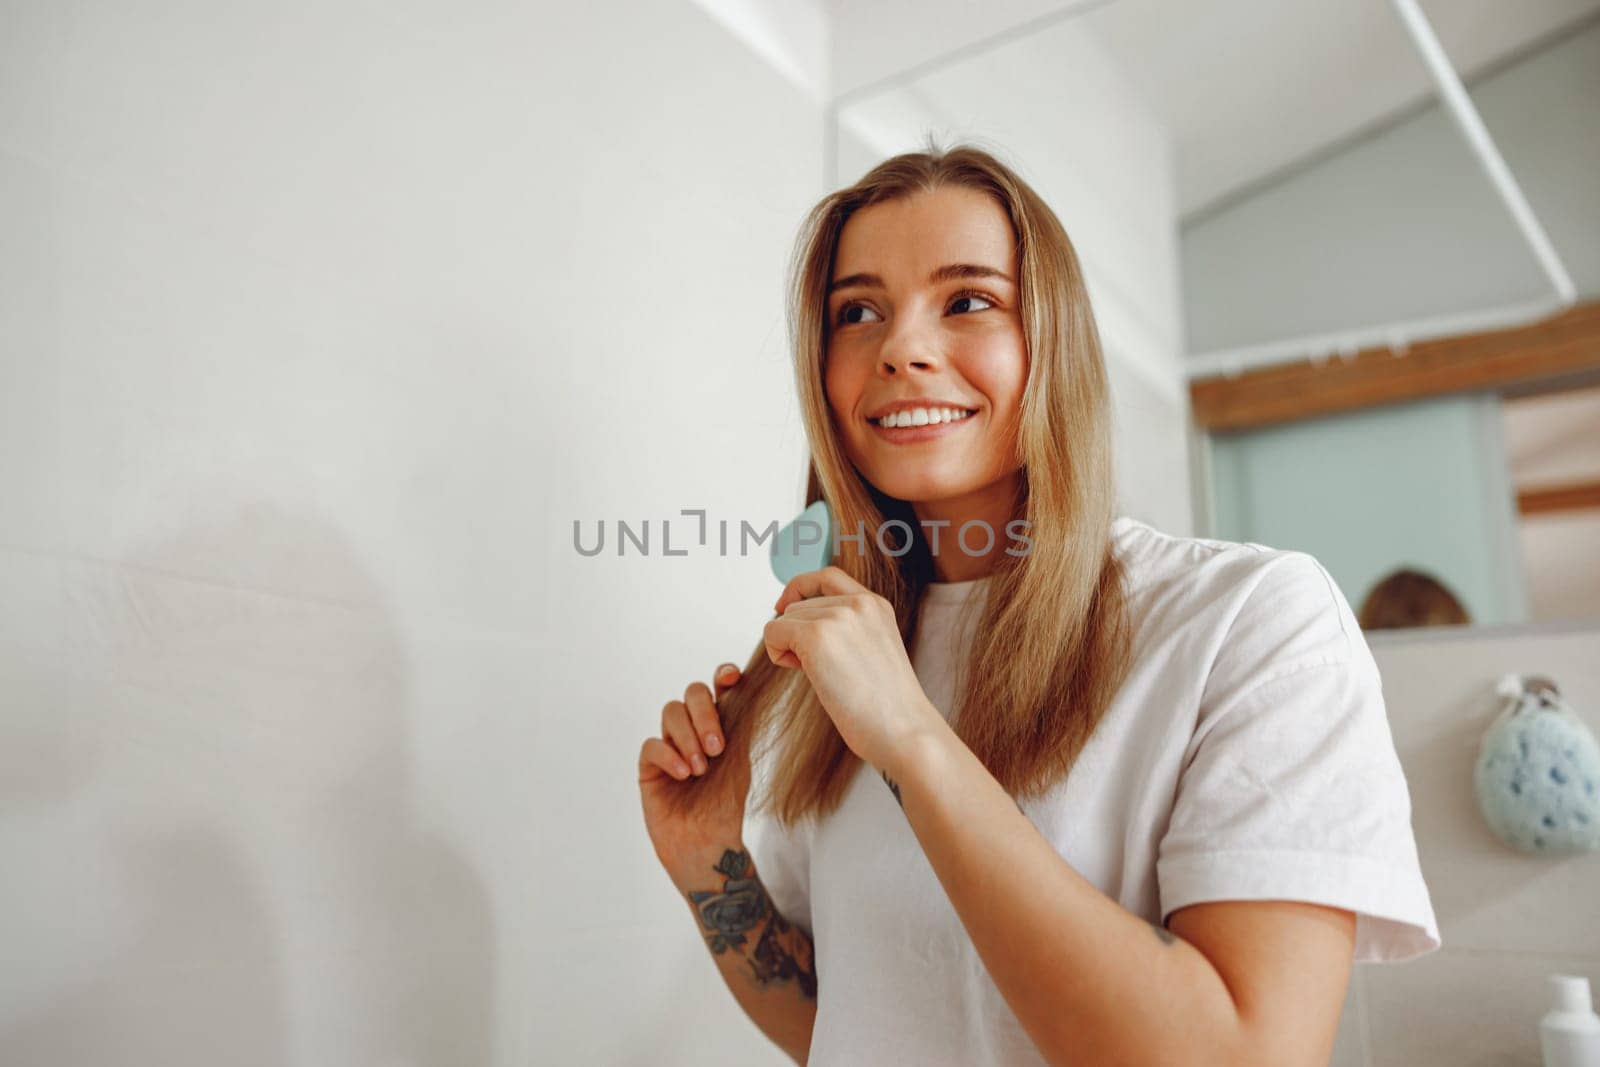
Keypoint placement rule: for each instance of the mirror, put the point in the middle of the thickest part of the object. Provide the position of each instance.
(1257, 190)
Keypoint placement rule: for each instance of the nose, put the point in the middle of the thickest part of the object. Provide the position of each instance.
(904, 355)
(891, 367)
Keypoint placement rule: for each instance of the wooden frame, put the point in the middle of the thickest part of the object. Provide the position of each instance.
(1563, 348)
(1578, 497)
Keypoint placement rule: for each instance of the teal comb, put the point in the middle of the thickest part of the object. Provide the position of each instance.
(806, 544)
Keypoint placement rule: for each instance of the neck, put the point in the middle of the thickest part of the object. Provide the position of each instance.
(959, 559)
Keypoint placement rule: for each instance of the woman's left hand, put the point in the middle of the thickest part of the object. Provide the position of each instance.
(847, 640)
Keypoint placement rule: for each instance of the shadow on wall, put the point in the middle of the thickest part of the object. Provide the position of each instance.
(231, 866)
(1445, 815)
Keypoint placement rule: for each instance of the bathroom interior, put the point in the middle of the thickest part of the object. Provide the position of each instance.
(294, 723)
(1278, 209)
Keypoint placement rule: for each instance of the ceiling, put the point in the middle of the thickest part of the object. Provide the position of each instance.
(1248, 89)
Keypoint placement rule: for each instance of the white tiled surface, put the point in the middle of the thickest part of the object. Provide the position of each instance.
(1506, 919)
(1457, 1007)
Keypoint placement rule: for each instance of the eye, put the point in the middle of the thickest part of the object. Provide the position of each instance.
(846, 309)
(969, 294)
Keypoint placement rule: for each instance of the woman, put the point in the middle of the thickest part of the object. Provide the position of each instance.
(1235, 830)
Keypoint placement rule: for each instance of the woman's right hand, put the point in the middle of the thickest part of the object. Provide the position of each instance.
(691, 753)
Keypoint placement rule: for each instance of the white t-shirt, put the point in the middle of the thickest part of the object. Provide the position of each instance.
(1247, 756)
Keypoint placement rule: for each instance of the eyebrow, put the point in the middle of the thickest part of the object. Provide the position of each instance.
(945, 273)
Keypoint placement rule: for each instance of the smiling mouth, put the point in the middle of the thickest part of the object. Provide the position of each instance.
(914, 433)
(914, 417)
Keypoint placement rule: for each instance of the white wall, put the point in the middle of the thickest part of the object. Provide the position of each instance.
(319, 326)
(882, 39)
(1506, 919)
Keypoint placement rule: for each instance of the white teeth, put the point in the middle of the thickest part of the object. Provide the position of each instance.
(922, 416)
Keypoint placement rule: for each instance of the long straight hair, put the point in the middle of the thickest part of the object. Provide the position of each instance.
(1051, 648)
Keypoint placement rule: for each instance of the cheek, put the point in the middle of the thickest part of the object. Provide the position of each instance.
(842, 386)
(1000, 371)
(1015, 380)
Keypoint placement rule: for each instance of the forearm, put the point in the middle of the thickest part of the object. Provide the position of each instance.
(766, 960)
(1088, 980)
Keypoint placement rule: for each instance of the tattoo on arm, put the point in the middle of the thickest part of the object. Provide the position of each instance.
(742, 906)
(1167, 936)
(893, 788)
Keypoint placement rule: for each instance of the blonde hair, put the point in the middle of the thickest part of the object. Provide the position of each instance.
(1051, 648)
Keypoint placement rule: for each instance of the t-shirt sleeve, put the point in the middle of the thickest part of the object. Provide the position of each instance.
(1291, 788)
(783, 863)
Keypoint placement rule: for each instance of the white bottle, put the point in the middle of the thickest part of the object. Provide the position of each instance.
(1569, 1034)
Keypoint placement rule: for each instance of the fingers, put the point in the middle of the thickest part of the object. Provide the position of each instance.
(690, 729)
(829, 581)
(725, 678)
(782, 637)
(676, 727)
(657, 754)
(705, 717)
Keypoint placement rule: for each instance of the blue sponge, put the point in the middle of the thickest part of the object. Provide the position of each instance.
(806, 544)
(1538, 772)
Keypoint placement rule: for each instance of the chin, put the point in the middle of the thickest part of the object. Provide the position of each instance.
(918, 489)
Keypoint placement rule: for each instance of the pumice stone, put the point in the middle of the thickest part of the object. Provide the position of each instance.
(1538, 771)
